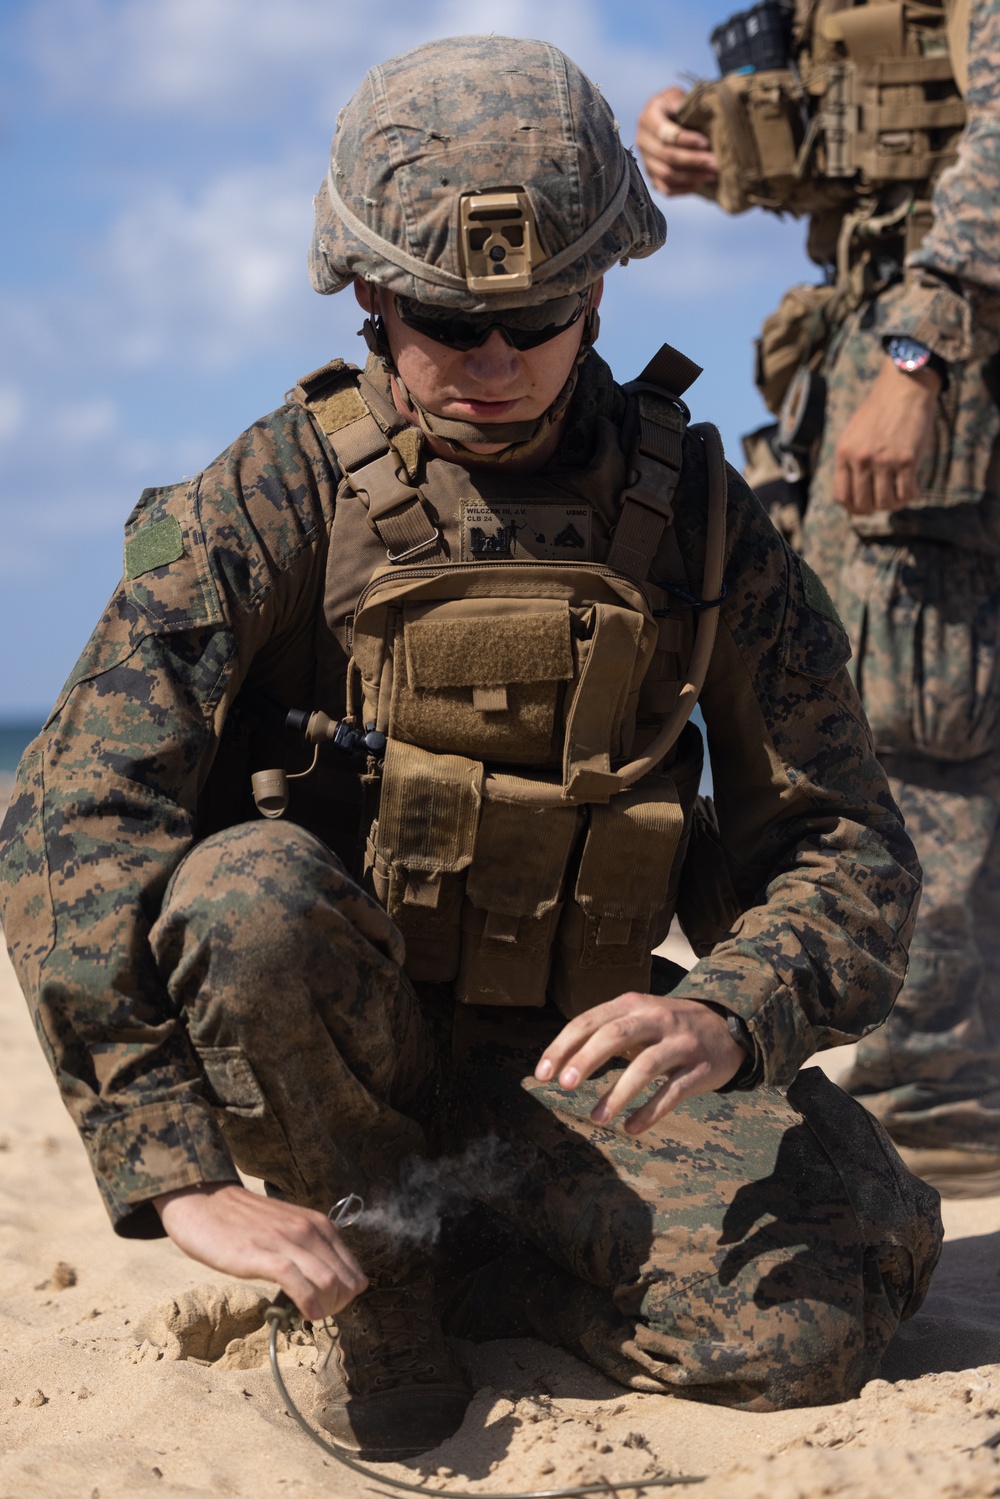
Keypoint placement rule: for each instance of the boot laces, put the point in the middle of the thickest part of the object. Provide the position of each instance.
(400, 1334)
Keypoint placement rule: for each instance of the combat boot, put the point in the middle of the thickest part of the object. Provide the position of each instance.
(525, 1294)
(387, 1386)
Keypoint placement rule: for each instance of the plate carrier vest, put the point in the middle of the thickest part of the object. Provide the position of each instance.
(519, 850)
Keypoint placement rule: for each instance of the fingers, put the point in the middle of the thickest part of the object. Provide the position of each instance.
(319, 1283)
(311, 1262)
(678, 160)
(619, 1037)
(260, 1238)
(906, 487)
(879, 453)
(851, 485)
(686, 1042)
(681, 1085)
(645, 1069)
(556, 1056)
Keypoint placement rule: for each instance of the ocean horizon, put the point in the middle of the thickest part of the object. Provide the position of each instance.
(15, 736)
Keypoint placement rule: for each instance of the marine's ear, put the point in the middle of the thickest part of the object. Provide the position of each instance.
(366, 294)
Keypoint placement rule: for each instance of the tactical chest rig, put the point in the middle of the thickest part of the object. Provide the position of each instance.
(509, 676)
(856, 127)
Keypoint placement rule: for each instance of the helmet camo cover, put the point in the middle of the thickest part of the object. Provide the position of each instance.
(474, 134)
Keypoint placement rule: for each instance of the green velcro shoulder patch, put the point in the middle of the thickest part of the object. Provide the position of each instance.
(155, 545)
(815, 594)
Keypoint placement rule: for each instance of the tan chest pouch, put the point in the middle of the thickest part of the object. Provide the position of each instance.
(515, 904)
(537, 664)
(877, 103)
(513, 884)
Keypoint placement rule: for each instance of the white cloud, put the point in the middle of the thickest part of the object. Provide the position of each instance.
(84, 421)
(12, 412)
(213, 59)
(219, 270)
(209, 56)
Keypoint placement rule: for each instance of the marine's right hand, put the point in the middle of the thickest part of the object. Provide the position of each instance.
(241, 1233)
(676, 160)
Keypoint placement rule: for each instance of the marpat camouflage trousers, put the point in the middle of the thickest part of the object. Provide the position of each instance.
(756, 1250)
(923, 615)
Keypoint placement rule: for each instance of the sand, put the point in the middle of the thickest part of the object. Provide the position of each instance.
(127, 1370)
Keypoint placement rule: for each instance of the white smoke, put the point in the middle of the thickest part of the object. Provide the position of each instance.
(431, 1190)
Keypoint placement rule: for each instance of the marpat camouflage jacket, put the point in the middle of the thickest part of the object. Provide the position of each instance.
(228, 594)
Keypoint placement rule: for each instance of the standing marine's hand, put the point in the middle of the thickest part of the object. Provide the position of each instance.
(676, 160)
(879, 452)
(684, 1042)
(240, 1233)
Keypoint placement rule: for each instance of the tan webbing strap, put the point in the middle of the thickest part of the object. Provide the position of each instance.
(958, 40)
(656, 469)
(359, 442)
(655, 460)
(375, 472)
(613, 647)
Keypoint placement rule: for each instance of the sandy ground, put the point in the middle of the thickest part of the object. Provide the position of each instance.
(129, 1371)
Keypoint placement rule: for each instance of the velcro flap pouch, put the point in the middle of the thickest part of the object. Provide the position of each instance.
(424, 842)
(486, 685)
(514, 892)
(605, 932)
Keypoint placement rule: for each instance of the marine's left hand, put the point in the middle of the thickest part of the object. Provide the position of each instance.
(880, 449)
(684, 1042)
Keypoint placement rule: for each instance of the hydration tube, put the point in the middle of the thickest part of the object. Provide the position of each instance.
(281, 1315)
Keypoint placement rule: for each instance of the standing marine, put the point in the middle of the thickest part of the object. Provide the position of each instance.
(881, 123)
(448, 615)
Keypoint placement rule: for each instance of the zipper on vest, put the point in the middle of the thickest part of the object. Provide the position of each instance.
(450, 568)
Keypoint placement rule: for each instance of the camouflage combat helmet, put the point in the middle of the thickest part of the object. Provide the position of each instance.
(479, 172)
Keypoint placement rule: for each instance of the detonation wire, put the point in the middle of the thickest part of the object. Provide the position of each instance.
(281, 1316)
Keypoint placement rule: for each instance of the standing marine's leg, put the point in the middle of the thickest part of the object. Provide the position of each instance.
(919, 594)
(932, 1072)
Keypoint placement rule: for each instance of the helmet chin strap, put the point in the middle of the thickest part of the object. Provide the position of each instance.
(521, 439)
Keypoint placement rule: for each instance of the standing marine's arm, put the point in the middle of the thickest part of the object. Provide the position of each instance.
(223, 576)
(953, 300)
(821, 865)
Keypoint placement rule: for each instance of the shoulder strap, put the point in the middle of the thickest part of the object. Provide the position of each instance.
(368, 460)
(657, 419)
(958, 41)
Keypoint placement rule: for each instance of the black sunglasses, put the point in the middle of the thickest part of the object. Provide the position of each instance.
(522, 327)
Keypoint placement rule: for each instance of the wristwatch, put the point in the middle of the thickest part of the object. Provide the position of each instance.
(909, 356)
(750, 1072)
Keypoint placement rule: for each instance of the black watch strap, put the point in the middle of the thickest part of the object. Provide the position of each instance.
(751, 1072)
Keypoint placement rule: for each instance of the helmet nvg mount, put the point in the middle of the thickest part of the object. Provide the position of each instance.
(479, 173)
(497, 237)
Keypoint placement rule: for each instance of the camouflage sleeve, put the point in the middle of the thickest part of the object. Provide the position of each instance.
(826, 877)
(220, 572)
(953, 300)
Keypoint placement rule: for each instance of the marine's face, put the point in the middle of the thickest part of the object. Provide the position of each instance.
(491, 383)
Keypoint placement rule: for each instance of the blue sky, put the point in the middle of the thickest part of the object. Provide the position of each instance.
(157, 163)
